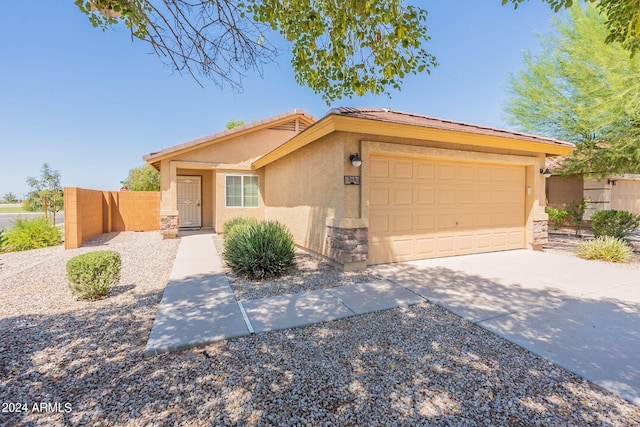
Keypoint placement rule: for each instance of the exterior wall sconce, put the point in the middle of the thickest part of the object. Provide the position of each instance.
(546, 172)
(355, 160)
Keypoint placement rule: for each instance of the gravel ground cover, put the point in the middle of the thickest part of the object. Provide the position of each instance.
(82, 363)
(308, 274)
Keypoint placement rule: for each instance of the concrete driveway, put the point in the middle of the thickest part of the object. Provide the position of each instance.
(582, 315)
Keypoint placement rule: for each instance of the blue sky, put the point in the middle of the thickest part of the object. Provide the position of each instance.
(91, 103)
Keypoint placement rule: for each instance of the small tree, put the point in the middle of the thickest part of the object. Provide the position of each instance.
(46, 193)
(144, 178)
(10, 198)
(576, 211)
(234, 123)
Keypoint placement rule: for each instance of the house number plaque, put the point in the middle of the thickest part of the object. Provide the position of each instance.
(352, 180)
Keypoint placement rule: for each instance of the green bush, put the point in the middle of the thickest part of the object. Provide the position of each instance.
(3, 240)
(576, 211)
(261, 250)
(92, 274)
(557, 217)
(32, 233)
(236, 224)
(605, 248)
(614, 223)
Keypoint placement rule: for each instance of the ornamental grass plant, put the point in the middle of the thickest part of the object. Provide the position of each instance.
(605, 248)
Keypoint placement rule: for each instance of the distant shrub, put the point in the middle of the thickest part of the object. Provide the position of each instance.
(557, 217)
(614, 223)
(92, 274)
(32, 233)
(236, 224)
(605, 248)
(3, 240)
(261, 250)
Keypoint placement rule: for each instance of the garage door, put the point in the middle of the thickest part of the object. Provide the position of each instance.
(625, 196)
(423, 208)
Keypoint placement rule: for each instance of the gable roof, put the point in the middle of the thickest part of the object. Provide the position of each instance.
(280, 121)
(382, 114)
(383, 122)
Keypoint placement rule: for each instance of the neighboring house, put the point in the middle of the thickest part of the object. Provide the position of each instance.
(424, 187)
(618, 192)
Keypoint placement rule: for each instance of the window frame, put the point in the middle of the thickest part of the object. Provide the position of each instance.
(242, 205)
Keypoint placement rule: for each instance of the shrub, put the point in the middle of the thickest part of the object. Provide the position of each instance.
(261, 250)
(614, 223)
(605, 248)
(92, 274)
(236, 224)
(557, 217)
(3, 239)
(576, 211)
(32, 233)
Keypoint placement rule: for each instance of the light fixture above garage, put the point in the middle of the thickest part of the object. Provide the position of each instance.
(355, 160)
(546, 172)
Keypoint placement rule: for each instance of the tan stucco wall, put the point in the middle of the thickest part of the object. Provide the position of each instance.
(240, 151)
(207, 192)
(304, 190)
(564, 189)
(212, 162)
(224, 213)
(89, 213)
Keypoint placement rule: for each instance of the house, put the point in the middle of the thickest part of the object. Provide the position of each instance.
(365, 186)
(617, 192)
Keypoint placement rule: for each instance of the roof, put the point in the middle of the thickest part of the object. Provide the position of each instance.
(388, 123)
(385, 115)
(219, 136)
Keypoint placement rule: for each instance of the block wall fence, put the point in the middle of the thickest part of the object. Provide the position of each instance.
(89, 213)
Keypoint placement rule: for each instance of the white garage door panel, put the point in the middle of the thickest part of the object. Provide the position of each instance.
(426, 208)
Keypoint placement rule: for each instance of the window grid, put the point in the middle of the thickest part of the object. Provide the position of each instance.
(242, 191)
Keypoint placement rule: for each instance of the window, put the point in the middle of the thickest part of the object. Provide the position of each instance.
(242, 191)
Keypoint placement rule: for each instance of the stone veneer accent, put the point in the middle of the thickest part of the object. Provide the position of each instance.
(347, 245)
(540, 232)
(169, 226)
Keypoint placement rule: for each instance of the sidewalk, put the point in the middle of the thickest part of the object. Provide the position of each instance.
(198, 306)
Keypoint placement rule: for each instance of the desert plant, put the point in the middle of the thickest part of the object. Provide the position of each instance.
(92, 274)
(236, 224)
(605, 248)
(3, 240)
(576, 211)
(557, 217)
(32, 233)
(614, 223)
(262, 250)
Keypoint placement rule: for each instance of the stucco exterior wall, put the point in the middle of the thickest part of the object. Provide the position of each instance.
(224, 213)
(89, 213)
(239, 151)
(564, 189)
(305, 190)
(83, 215)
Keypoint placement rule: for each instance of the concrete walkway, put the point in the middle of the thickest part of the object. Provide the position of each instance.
(198, 306)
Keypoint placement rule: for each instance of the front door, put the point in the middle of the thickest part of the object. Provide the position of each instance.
(189, 202)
